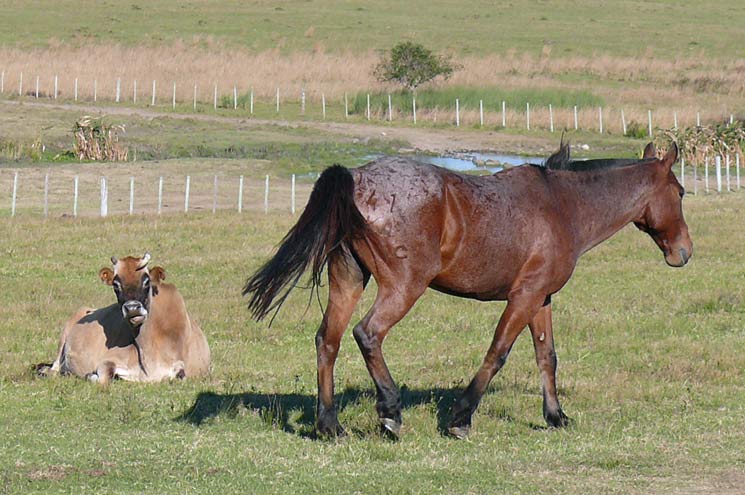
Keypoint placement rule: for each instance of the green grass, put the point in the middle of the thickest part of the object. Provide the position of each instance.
(468, 98)
(650, 370)
(626, 27)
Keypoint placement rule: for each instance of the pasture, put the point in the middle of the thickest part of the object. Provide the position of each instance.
(650, 370)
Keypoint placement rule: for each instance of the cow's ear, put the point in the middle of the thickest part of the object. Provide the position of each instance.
(106, 275)
(157, 274)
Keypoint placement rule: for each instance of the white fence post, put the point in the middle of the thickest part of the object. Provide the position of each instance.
(323, 105)
(186, 193)
(504, 113)
(683, 172)
(104, 198)
(2, 82)
(240, 194)
(413, 107)
(160, 195)
(214, 100)
(95, 90)
(698, 119)
(675, 120)
(235, 98)
(718, 167)
(600, 118)
(75, 197)
(173, 104)
(551, 117)
(481, 113)
(390, 109)
(623, 122)
(346, 106)
(737, 166)
(36, 93)
(118, 88)
(302, 101)
(15, 195)
(195, 97)
(277, 99)
(131, 195)
(46, 195)
(55, 87)
(292, 196)
(214, 197)
(649, 122)
(266, 195)
(527, 115)
(457, 112)
(729, 189)
(76, 89)
(134, 91)
(695, 179)
(576, 121)
(251, 103)
(368, 106)
(20, 85)
(706, 174)
(152, 103)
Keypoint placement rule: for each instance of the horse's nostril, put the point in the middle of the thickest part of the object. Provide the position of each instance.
(683, 255)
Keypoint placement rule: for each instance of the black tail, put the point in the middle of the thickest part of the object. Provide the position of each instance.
(330, 218)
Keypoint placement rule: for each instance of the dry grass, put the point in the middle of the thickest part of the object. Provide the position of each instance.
(685, 86)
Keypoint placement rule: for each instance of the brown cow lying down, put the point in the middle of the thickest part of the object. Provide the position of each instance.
(146, 336)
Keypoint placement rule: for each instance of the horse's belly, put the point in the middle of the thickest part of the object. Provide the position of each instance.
(479, 285)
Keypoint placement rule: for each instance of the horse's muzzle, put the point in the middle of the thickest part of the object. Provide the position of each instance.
(680, 260)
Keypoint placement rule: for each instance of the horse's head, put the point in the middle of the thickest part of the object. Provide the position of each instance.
(662, 216)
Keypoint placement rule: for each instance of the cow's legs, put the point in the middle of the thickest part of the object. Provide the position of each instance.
(390, 306)
(521, 308)
(541, 328)
(346, 283)
(75, 318)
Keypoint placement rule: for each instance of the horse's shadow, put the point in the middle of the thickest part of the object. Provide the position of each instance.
(295, 413)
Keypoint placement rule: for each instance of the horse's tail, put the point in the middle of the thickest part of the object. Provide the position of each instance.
(329, 218)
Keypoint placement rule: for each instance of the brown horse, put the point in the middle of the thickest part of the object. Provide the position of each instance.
(515, 236)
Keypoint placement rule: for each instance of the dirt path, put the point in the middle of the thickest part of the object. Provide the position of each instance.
(424, 139)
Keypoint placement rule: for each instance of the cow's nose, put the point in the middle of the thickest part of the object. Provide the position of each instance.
(132, 306)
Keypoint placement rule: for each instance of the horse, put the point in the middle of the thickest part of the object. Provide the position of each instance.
(516, 236)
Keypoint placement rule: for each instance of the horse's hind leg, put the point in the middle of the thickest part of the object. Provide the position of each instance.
(390, 306)
(543, 340)
(346, 283)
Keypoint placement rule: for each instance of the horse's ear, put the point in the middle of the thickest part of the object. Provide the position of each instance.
(649, 151)
(157, 273)
(671, 156)
(106, 275)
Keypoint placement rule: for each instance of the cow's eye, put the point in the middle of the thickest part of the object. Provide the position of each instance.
(117, 285)
(146, 282)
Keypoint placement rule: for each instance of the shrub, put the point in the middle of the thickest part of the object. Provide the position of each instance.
(411, 65)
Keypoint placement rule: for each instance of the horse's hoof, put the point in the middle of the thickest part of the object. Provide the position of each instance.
(390, 428)
(459, 432)
(334, 431)
(558, 419)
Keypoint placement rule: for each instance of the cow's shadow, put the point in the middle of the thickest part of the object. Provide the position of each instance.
(295, 413)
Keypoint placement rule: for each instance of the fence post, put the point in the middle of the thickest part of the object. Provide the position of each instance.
(623, 122)
(695, 179)
(698, 119)
(134, 91)
(251, 103)
(76, 89)
(675, 120)
(214, 102)
(302, 101)
(95, 90)
(15, 193)
(706, 174)
(214, 197)
(187, 187)
(737, 166)
(55, 86)
(235, 98)
(20, 85)
(729, 189)
(413, 107)
(368, 106)
(46, 195)
(457, 112)
(718, 168)
(683, 172)
(173, 104)
(481, 113)
(390, 109)
(75, 197)
(551, 116)
(118, 88)
(36, 94)
(527, 115)
(576, 121)
(292, 196)
(160, 195)
(649, 122)
(277, 99)
(346, 106)
(323, 105)
(104, 198)
(152, 103)
(266, 195)
(240, 194)
(600, 118)
(2, 82)
(131, 195)
(504, 113)
(194, 106)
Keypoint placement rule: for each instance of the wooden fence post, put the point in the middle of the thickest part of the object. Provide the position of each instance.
(118, 88)
(152, 102)
(55, 87)
(251, 103)
(576, 121)
(134, 92)
(718, 168)
(390, 109)
(600, 118)
(240, 194)
(20, 85)
(623, 122)
(235, 98)
(186, 193)
(649, 122)
(457, 112)
(551, 117)
(36, 94)
(104, 198)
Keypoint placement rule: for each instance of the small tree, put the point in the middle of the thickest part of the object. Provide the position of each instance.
(410, 64)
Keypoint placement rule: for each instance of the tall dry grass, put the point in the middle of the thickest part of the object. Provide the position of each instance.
(686, 86)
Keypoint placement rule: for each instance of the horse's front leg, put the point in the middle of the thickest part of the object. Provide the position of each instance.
(521, 308)
(541, 328)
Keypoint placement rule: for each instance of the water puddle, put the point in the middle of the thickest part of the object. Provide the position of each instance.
(474, 161)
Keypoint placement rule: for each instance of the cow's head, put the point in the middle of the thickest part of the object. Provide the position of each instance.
(134, 285)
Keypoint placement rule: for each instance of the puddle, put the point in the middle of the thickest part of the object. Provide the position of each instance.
(473, 161)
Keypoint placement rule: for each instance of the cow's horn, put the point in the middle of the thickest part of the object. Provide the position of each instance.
(144, 261)
(114, 261)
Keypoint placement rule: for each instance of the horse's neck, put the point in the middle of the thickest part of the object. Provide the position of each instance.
(604, 201)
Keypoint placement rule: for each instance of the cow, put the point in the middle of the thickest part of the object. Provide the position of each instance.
(147, 335)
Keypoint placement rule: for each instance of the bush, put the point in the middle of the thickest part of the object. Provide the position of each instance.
(411, 65)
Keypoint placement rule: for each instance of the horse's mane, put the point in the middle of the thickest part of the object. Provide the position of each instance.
(561, 160)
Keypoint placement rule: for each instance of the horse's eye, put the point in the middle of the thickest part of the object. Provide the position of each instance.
(682, 193)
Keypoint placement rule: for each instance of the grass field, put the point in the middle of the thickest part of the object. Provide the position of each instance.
(650, 370)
